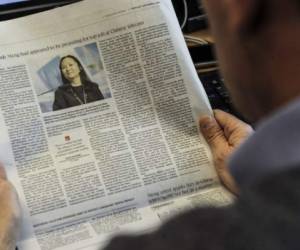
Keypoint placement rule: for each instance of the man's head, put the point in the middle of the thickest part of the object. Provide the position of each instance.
(258, 48)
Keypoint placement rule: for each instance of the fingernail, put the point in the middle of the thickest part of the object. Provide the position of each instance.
(206, 122)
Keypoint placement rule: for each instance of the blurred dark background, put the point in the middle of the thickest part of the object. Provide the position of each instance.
(10, 9)
(191, 14)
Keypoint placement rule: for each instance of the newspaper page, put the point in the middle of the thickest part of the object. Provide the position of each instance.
(98, 134)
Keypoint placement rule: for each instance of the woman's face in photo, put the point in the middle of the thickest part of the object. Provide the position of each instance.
(70, 68)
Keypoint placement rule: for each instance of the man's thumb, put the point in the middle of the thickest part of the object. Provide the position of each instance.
(212, 131)
(2, 173)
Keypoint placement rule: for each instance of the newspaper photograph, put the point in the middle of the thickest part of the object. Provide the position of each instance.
(54, 80)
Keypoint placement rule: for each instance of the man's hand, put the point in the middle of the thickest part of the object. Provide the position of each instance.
(224, 134)
(9, 213)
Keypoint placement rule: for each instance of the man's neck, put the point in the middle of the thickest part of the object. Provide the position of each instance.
(278, 67)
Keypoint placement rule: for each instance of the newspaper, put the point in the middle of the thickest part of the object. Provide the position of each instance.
(98, 105)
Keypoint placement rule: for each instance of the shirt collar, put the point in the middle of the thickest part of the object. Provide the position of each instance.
(273, 148)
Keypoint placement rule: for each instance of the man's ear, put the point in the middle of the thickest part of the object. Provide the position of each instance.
(245, 16)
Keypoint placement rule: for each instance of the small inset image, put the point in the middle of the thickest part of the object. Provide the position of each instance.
(73, 79)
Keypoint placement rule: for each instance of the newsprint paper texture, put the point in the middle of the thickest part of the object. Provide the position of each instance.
(119, 152)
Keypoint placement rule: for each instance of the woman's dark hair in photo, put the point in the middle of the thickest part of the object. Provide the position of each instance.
(83, 76)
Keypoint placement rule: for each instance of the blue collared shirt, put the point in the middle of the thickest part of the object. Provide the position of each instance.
(273, 148)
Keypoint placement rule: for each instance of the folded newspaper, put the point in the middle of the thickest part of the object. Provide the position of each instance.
(97, 117)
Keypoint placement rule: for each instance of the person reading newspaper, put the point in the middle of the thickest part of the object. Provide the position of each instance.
(257, 44)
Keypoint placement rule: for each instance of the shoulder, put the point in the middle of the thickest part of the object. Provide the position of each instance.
(91, 84)
(204, 228)
(62, 89)
(268, 212)
(265, 215)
